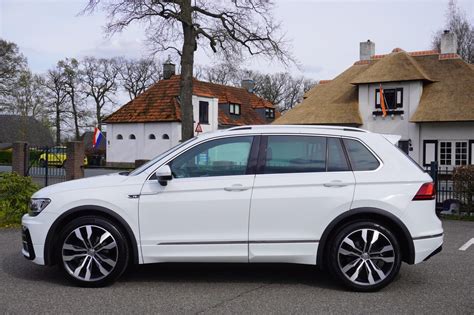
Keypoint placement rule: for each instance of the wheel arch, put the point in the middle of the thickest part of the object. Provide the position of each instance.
(63, 219)
(373, 214)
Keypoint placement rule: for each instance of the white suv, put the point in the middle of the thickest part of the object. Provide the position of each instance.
(342, 198)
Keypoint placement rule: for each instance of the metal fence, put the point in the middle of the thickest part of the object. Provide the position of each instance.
(46, 165)
(452, 195)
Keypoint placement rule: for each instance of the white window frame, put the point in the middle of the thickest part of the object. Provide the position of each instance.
(234, 109)
(450, 158)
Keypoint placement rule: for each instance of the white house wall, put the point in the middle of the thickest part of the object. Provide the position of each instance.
(143, 148)
(399, 125)
(213, 113)
(128, 150)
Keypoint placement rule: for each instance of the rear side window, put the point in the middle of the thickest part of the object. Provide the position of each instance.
(337, 161)
(361, 158)
(295, 154)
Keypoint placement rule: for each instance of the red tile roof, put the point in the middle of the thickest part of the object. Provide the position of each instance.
(159, 103)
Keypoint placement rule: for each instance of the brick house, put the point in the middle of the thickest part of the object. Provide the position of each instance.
(151, 123)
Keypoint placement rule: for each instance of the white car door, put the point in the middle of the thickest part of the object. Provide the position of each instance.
(301, 183)
(202, 214)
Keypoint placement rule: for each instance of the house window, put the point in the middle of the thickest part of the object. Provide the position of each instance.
(445, 151)
(453, 153)
(131, 137)
(165, 137)
(393, 98)
(234, 109)
(204, 112)
(269, 113)
(119, 137)
(460, 157)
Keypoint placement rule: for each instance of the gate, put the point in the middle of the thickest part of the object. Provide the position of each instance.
(46, 165)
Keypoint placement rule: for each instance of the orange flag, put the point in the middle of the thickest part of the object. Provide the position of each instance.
(382, 102)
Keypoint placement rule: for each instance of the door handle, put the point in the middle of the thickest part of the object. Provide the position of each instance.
(335, 183)
(236, 187)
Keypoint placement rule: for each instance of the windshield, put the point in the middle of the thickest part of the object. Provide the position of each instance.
(140, 169)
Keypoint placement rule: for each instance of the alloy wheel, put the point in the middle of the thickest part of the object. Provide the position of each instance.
(366, 256)
(89, 253)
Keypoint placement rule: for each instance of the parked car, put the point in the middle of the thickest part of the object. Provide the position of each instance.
(56, 156)
(342, 198)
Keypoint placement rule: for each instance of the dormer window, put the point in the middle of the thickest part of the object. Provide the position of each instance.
(234, 109)
(393, 98)
(269, 113)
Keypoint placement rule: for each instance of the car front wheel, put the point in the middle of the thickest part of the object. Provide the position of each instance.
(365, 256)
(93, 251)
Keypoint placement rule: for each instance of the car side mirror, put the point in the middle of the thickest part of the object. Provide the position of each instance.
(163, 174)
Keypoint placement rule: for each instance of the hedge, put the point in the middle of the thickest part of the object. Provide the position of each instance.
(15, 194)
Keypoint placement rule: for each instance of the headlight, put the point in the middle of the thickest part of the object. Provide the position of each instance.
(37, 205)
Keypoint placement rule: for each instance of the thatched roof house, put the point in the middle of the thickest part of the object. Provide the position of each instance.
(429, 95)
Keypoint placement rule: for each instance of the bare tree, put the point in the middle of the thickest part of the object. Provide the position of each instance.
(231, 28)
(12, 65)
(99, 83)
(72, 78)
(458, 23)
(29, 97)
(224, 73)
(56, 90)
(136, 75)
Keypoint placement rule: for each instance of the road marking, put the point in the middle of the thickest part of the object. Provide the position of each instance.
(468, 243)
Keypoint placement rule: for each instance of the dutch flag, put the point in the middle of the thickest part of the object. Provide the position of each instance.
(97, 138)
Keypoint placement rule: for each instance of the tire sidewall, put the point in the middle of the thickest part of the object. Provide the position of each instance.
(334, 249)
(120, 239)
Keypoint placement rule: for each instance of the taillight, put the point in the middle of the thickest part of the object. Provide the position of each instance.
(427, 191)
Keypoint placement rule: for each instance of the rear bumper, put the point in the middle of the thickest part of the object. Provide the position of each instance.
(427, 247)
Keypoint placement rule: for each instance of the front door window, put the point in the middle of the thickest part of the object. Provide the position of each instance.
(221, 157)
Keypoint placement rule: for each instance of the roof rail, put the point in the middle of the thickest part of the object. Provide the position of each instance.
(343, 128)
(240, 128)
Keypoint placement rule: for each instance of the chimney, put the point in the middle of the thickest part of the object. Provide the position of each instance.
(449, 43)
(367, 49)
(248, 84)
(169, 69)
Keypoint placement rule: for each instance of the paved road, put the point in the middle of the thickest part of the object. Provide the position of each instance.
(444, 284)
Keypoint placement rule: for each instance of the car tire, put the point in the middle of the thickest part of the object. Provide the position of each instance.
(42, 163)
(92, 251)
(364, 256)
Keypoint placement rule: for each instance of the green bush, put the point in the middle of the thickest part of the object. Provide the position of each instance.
(15, 193)
(463, 179)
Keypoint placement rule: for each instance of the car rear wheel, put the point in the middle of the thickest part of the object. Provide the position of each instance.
(365, 256)
(92, 251)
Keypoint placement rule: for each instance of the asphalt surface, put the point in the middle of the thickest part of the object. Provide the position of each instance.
(442, 285)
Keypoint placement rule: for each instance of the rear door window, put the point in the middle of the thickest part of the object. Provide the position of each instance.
(295, 154)
(361, 158)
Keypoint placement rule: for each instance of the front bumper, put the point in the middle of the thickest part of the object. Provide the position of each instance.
(27, 249)
(34, 232)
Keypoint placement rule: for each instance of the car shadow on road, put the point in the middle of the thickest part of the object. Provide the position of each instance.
(18, 267)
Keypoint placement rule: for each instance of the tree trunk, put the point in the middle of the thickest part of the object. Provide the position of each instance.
(74, 113)
(58, 124)
(186, 78)
(98, 109)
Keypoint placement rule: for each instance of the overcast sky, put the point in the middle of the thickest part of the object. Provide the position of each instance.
(325, 35)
